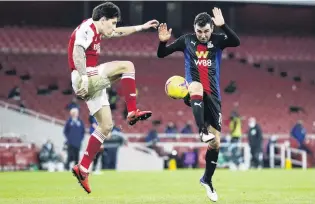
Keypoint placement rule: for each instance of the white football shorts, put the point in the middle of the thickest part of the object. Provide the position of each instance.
(97, 96)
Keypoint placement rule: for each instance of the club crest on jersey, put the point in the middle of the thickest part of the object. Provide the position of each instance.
(97, 47)
(209, 45)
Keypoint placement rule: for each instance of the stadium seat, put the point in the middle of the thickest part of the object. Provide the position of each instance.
(26, 158)
(7, 160)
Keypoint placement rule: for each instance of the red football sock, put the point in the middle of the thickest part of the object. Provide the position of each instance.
(93, 147)
(128, 84)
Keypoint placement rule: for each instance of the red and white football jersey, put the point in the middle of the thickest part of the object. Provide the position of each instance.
(86, 36)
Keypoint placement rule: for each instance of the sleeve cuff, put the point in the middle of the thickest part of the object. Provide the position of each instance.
(224, 26)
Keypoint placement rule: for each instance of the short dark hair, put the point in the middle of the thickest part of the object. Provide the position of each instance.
(202, 19)
(108, 10)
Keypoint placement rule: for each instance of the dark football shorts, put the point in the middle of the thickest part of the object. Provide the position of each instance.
(212, 114)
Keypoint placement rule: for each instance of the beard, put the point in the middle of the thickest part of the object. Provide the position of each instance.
(203, 40)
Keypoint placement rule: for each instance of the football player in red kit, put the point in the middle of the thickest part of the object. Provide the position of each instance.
(90, 80)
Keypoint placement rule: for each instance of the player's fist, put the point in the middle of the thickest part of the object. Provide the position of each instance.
(218, 19)
(150, 24)
(164, 34)
(82, 92)
(102, 148)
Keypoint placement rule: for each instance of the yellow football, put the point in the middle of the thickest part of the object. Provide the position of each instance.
(176, 87)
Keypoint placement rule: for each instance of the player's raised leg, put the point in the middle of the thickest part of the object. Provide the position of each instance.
(125, 71)
(195, 90)
(102, 132)
(211, 164)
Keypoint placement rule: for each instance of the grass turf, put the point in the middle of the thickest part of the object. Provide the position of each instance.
(167, 187)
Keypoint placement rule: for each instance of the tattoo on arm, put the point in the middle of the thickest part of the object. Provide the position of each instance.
(120, 33)
(115, 35)
(79, 59)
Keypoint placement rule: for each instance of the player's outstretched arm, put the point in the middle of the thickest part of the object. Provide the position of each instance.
(128, 30)
(164, 36)
(231, 39)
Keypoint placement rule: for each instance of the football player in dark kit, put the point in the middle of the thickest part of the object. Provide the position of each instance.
(202, 52)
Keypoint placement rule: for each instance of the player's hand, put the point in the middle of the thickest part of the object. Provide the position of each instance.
(218, 19)
(102, 148)
(164, 34)
(82, 92)
(150, 24)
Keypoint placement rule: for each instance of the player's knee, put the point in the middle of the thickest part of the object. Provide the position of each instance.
(215, 143)
(106, 128)
(195, 88)
(128, 67)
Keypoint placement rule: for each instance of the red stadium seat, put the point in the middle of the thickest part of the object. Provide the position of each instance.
(7, 160)
(15, 149)
(14, 140)
(3, 149)
(26, 158)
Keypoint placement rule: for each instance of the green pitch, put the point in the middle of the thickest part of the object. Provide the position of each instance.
(182, 186)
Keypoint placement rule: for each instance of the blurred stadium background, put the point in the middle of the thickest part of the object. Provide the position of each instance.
(271, 77)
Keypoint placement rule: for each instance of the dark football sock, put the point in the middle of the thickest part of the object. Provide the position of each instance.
(211, 164)
(198, 110)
